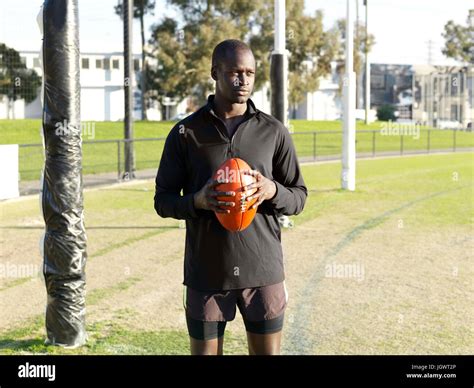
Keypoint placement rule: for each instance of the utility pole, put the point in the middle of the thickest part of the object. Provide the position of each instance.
(128, 87)
(358, 67)
(458, 97)
(430, 51)
(348, 138)
(367, 64)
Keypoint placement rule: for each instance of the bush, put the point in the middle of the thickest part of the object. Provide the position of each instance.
(386, 113)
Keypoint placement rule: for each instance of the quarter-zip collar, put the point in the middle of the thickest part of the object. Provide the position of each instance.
(209, 107)
(220, 125)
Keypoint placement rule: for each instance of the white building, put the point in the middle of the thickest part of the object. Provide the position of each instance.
(322, 104)
(102, 95)
(326, 102)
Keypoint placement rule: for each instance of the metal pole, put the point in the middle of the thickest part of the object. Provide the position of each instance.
(358, 70)
(429, 141)
(367, 64)
(465, 98)
(314, 145)
(373, 143)
(454, 140)
(440, 97)
(430, 100)
(118, 161)
(458, 97)
(279, 67)
(128, 85)
(348, 138)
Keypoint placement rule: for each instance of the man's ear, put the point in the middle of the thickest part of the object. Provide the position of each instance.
(214, 72)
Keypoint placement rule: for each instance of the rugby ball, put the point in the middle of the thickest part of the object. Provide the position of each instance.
(241, 215)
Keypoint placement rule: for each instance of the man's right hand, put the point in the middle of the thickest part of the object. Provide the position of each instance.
(206, 197)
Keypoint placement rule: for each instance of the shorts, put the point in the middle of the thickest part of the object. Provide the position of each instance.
(262, 309)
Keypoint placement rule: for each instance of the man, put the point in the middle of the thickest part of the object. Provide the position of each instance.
(225, 269)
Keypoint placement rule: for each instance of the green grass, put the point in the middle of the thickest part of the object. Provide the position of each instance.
(28, 131)
(390, 183)
(108, 337)
(97, 158)
(101, 293)
(127, 241)
(427, 192)
(14, 283)
(103, 157)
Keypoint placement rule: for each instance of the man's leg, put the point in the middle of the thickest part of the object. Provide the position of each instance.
(264, 337)
(263, 311)
(264, 344)
(207, 313)
(207, 338)
(213, 347)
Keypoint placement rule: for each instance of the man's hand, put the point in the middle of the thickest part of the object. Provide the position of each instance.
(206, 197)
(266, 188)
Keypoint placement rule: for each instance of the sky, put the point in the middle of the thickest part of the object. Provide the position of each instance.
(402, 28)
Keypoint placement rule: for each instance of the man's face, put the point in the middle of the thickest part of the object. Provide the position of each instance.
(235, 76)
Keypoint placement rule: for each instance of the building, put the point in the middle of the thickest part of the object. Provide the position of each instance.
(443, 96)
(324, 103)
(102, 95)
(437, 96)
(392, 85)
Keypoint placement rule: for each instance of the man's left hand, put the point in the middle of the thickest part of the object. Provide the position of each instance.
(266, 188)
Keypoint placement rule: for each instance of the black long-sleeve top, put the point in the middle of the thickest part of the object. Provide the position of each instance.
(215, 258)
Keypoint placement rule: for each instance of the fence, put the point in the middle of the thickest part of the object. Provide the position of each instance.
(107, 156)
(98, 156)
(327, 144)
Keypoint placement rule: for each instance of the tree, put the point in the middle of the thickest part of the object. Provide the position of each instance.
(140, 9)
(184, 52)
(311, 50)
(459, 40)
(16, 81)
(362, 44)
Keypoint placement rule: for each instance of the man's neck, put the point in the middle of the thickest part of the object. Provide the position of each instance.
(226, 110)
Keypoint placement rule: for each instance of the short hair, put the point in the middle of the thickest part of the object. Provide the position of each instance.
(223, 48)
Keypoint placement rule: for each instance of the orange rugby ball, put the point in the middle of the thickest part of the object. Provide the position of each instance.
(241, 215)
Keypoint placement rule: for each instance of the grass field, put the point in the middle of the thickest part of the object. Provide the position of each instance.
(407, 229)
(103, 157)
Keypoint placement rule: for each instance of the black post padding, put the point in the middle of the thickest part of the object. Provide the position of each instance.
(64, 247)
(277, 81)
